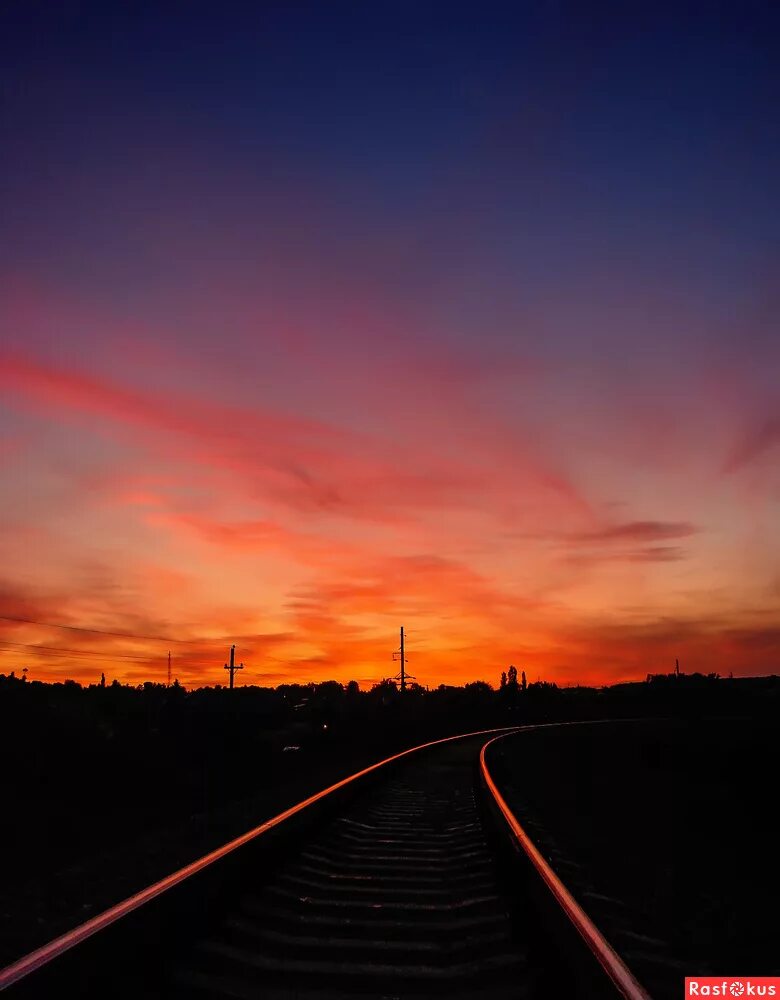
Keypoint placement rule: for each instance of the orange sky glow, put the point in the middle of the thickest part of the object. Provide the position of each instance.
(582, 553)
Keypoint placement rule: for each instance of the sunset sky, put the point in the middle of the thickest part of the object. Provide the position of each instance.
(317, 320)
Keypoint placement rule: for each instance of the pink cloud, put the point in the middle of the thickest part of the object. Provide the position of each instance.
(258, 536)
(305, 465)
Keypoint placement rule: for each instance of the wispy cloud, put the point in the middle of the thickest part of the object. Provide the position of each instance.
(635, 532)
(759, 439)
(649, 554)
(628, 542)
(304, 465)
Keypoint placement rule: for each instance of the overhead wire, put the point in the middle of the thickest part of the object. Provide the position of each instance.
(65, 651)
(100, 631)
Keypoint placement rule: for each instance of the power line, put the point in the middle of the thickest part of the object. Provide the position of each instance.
(81, 664)
(100, 631)
(65, 651)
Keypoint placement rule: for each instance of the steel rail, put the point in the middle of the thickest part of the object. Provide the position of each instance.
(612, 964)
(47, 953)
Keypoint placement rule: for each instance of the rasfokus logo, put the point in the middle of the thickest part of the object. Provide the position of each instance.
(732, 986)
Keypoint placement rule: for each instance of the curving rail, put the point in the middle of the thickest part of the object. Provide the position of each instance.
(46, 954)
(397, 891)
(614, 967)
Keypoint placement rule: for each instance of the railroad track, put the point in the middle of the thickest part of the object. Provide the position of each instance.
(411, 879)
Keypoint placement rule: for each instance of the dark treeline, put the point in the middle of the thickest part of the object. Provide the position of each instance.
(103, 730)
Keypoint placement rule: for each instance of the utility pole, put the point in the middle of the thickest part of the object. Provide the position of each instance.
(233, 668)
(169, 668)
(677, 669)
(402, 677)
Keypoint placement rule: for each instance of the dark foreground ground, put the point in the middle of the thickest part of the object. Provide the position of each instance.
(85, 858)
(664, 832)
(106, 790)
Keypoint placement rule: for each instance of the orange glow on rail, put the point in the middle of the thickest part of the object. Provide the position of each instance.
(605, 954)
(48, 952)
